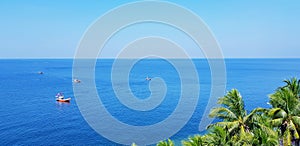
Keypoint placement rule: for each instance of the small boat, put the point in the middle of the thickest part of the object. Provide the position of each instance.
(61, 98)
(40, 72)
(76, 81)
(148, 79)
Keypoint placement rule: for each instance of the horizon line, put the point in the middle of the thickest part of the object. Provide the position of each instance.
(59, 58)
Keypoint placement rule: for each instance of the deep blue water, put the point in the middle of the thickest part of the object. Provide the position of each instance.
(29, 114)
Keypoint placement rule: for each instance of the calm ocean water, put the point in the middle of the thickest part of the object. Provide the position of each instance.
(29, 114)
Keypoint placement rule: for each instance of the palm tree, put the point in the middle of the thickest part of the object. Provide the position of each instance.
(286, 111)
(239, 124)
(293, 85)
(168, 142)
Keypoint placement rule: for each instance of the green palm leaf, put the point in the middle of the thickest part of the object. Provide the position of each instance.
(166, 143)
(222, 113)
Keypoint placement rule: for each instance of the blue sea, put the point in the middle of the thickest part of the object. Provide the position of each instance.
(29, 114)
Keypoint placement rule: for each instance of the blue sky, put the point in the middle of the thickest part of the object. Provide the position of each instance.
(244, 29)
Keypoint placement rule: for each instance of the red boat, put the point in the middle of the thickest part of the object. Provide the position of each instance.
(60, 98)
(63, 100)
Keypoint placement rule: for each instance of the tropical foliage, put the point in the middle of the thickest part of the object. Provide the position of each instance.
(278, 125)
(286, 111)
(241, 126)
(166, 143)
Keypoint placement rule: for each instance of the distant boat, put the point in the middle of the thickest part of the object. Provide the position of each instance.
(61, 98)
(76, 81)
(40, 72)
(148, 79)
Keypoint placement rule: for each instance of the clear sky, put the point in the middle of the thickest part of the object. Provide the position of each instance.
(244, 29)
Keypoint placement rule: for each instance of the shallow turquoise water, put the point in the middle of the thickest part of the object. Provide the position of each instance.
(31, 116)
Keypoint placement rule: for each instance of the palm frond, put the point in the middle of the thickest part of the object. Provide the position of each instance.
(193, 141)
(253, 112)
(296, 120)
(166, 143)
(222, 113)
(277, 113)
(277, 122)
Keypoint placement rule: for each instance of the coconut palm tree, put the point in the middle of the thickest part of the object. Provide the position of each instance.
(286, 112)
(239, 124)
(293, 85)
